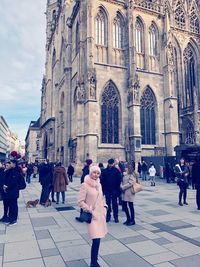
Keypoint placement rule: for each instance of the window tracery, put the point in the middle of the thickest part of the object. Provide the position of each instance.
(180, 16)
(117, 32)
(147, 117)
(194, 21)
(110, 108)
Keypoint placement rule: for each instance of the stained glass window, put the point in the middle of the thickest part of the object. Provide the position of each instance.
(180, 16)
(190, 77)
(100, 28)
(110, 107)
(117, 32)
(147, 117)
(138, 36)
(194, 21)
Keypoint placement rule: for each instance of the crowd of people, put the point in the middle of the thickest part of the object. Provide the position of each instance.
(102, 189)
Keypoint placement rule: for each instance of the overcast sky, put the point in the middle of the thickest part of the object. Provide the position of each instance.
(22, 57)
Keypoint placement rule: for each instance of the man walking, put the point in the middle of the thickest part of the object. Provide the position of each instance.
(144, 170)
(111, 180)
(196, 181)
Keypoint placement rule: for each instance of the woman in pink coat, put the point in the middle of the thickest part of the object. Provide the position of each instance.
(91, 199)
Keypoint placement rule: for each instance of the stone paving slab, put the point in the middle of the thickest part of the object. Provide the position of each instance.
(165, 234)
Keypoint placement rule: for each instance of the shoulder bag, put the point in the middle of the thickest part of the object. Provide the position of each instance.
(136, 187)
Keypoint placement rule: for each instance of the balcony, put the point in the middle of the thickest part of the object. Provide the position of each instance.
(153, 6)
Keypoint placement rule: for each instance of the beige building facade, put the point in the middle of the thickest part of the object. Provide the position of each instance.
(121, 79)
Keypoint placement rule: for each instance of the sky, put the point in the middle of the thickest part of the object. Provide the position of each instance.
(22, 61)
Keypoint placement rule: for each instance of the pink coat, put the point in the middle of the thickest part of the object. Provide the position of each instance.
(91, 191)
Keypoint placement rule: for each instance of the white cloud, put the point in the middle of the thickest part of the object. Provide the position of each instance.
(22, 59)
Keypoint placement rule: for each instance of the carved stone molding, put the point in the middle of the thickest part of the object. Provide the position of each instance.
(80, 93)
(91, 77)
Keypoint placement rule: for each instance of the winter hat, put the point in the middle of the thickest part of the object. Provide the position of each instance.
(88, 161)
(111, 161)
(95, 168)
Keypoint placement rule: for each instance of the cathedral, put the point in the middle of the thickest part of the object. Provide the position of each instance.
(121, 79)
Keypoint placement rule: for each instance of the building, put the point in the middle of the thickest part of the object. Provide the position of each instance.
(32, 143)
(121, 79)
(3, 138)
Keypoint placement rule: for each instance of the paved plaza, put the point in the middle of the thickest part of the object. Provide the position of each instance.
(165, 234)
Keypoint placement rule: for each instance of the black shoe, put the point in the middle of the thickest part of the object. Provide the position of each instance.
(185, 203)
(180, 204)
(131, 223)
(95, 265)
(107, 219)
(198, 208)
(53, 200)
(4, 219)
(12, 223)
(126, 222)
(116, 220)
(78, 219)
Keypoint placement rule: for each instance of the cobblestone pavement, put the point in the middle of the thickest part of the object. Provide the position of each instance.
(165, 234)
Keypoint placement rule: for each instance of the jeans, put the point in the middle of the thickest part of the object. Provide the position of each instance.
(183, 192)
(44, 194)
(95, 250)
(28, 178)
(198, 198)
(130, 216)
(112, 198)
(13, 209)
(144, 175)
(58, 197)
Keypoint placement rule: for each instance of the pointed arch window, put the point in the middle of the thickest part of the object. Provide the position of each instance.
(189, 133)
(117, 32)
(77, 41)
(54, 57)
(152, 41)
(110, 112)
(194, 21)
(138, 36)
(190, 77)
(179, 16)
(147, 117)
(100, 24)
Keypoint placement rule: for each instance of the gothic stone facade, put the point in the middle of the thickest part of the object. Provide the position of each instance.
(121, 79)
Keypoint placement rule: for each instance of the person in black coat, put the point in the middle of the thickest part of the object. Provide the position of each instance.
(11, 191)
(2, 177)
(111, 180)
(45, 179)
(85, 171)
(70, 172)
(196, 181)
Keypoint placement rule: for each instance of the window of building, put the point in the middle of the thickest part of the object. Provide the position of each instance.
(190, 77)
(101, 28)
(152, 41)
(147, 117)
(138, 36)
(77, 41)
(189, 133)
(180, 16)
(117, 32)
(194, 21)
(110, 113)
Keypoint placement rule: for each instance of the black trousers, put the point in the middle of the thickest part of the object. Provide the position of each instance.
(183, 192)
(198, 198)
(95, 250)
(44, 194)
(5, 208)
(111, 198)
(70, 177)
(13, 209)
(130, 215)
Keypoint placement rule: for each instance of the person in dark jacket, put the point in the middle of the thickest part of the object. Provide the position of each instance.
(45, 178)
(11, 191)
(196, 181)
(111, 180)
(2, 177)
(182, 172)
(85, 171)
(139, 169)
(144, 170)
(70, 172)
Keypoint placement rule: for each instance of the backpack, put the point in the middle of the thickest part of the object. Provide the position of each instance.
(22, 183)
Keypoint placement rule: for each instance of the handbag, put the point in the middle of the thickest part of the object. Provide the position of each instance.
(86, 216)
(136, 187)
